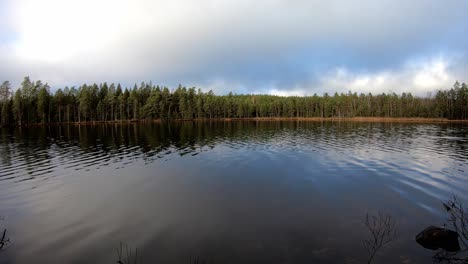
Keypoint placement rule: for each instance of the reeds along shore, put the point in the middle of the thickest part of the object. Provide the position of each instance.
(259, 119)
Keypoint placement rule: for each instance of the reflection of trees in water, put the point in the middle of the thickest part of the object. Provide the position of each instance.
(22, 149)
(33, 152)
(5, 147)
(192, 137)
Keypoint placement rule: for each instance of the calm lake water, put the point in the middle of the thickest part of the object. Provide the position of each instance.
(226, 192)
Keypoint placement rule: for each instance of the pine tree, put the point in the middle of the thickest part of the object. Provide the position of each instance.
(43, 104)
(4, 102)
(18, 107)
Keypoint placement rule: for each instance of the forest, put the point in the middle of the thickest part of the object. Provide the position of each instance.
(34, 103)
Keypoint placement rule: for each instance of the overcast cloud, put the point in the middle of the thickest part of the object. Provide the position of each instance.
(265, 46)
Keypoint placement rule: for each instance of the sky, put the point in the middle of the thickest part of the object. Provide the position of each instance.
(282, 47)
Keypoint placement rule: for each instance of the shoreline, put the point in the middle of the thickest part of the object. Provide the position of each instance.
(351, 119)
(258, 119)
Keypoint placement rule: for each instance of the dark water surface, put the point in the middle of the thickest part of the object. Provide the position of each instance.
(232, 192)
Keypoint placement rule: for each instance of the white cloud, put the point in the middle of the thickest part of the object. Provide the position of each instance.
(297, 92)
(432, 75)
(416, 76)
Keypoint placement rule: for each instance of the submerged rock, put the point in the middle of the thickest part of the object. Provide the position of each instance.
(436, 237)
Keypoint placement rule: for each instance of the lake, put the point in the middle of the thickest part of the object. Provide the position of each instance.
(225, 192)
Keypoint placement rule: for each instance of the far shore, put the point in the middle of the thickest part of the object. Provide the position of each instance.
(263, 119)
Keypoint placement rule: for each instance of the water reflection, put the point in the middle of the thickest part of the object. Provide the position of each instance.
(36, 150)
(234, 192)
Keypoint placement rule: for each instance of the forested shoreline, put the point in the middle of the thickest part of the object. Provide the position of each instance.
(34, 103)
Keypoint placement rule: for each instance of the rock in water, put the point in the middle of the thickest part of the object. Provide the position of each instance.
(436, 237)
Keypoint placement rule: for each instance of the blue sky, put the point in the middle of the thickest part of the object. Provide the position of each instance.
(266, 46)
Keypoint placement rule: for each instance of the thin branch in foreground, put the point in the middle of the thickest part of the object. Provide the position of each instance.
(4, 240)
(382, 230)
(197, 260)
(458, 219)
(444, 257)
(129, 257)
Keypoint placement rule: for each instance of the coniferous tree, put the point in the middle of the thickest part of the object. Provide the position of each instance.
(33, 102)
(18, 107)
(4, 103)
(43, 103)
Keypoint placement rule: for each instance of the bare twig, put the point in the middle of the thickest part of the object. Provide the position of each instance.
(129, 257)
(4, 240)
(382, 230)
(458, 219)
(445, 257)
(197, 260)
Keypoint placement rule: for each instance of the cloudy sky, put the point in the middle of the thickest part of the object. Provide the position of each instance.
(265, 46)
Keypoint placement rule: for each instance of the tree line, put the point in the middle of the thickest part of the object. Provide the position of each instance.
(34, 102)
